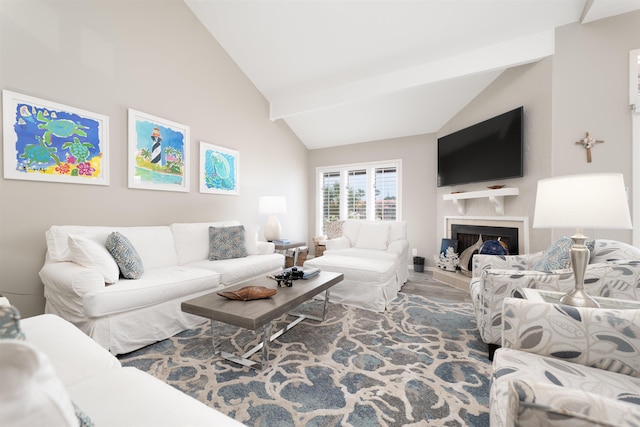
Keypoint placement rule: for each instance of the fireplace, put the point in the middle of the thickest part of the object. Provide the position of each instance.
(514, 231)
(467, 235)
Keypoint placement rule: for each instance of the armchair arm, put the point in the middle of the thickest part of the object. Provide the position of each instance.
(398, 247)
(266, 248)
(535, 404)
(338, 243)
(603, 338)
(503, 262)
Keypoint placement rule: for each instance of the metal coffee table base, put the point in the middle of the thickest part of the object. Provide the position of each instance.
(266, 339)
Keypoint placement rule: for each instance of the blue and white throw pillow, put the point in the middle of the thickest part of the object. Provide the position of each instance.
(227, 242)
(127, 258)
(558, 255)
(10, 323)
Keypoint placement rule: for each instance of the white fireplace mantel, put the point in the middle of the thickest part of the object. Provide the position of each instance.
(495, 196)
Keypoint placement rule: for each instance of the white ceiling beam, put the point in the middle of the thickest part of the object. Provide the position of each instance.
(499, 56)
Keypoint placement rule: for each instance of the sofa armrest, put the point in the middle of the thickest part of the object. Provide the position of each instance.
(67, 281)
(338, 243)
(266, 248)
(399, 247)
(603, 338)
(532, 403)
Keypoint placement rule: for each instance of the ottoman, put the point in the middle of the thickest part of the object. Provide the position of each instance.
(368, 283)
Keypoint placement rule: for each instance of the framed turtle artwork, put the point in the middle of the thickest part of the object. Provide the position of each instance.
(219, 169)
(47, 141)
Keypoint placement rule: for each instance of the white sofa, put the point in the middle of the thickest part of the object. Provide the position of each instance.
(374, 258)
(56, 371)
(128, 314)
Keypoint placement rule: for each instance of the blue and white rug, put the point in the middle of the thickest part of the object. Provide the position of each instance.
(420, 363)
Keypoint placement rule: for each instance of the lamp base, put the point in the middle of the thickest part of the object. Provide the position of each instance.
(579, 298)
(272, 228)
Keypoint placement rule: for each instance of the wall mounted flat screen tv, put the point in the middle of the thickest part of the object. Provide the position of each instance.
(487, 151)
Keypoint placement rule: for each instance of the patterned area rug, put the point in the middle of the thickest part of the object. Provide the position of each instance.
(420, 363)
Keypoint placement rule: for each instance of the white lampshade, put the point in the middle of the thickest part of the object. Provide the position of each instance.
(582, 201)
(272, 204)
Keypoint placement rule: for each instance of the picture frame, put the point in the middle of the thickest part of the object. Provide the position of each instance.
(158, 153)
(446, 243)
(48, 141)
(219, 169)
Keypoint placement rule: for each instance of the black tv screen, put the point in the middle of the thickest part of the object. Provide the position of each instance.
(487, 151)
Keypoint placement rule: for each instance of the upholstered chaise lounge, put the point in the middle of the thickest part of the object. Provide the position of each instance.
(373, 256)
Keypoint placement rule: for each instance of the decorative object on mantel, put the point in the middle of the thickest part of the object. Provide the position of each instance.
(466, 257)
(588, 142)
(448, 260)
(495, 187)
(494, 247)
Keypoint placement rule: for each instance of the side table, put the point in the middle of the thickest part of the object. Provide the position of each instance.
(292, 245)
(553, 297)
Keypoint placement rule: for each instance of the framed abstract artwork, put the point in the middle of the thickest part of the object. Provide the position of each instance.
(158, 153)
(47, 141)
(219, 169)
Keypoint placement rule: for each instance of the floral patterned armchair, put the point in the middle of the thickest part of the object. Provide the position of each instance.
(613, 271)
(566, 366)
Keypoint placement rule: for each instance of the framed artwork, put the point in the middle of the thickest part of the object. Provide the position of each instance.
(158, 153)
(47, 141)
(219, 169)
(446, 243)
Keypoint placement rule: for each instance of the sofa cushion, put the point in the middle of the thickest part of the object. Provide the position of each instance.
(128, 396)
(236, 270)
(72, 353)
(127, 258)
(227, 242)
(91, 254)
(373, 236)
(156, 286)
(31, 393)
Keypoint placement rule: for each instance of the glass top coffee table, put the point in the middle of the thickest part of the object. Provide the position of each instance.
(258, 314)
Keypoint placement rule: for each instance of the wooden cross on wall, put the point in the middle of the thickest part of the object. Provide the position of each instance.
(587, 142)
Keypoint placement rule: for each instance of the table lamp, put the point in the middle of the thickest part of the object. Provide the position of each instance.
(272, 205)
(581, 201)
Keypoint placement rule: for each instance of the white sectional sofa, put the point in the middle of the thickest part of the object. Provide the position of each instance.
(53, 374)
(374, 258)
(122, 315)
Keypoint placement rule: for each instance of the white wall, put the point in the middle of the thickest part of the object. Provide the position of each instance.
(155, 57)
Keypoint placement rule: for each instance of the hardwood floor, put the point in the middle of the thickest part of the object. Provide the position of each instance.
(424, 285)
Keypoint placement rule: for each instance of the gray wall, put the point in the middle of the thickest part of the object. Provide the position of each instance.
(591, 93)
(418, 154)
(155, 57)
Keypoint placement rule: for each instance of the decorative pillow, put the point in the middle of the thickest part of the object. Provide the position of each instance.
(31, 393)
(334, 229)
(10, 323)
(90, 254)
(127, 258)
(558, 255)
(227, 242)
(373, 236)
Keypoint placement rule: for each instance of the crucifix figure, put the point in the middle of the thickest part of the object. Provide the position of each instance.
(588, 142)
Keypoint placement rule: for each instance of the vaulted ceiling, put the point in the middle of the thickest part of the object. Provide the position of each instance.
(344, 72)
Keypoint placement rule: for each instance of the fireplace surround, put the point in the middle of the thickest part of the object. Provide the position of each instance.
(514, 231)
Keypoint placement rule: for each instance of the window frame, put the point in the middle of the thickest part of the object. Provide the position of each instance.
(344, 170)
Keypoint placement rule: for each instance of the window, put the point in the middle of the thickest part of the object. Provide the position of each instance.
(362, 191)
